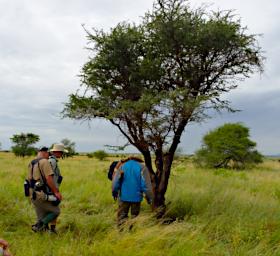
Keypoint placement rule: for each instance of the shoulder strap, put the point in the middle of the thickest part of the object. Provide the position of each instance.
(33, 162)
(54, 167)
(37, 161)
(42, 175)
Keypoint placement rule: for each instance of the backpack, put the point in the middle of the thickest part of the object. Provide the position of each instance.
(32, 183)
(111, 170)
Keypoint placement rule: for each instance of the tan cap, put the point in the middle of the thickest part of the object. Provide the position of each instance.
(58, 147)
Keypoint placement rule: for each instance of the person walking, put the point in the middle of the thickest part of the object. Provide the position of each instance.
(130, 181)
(56, 153)
(43, 193)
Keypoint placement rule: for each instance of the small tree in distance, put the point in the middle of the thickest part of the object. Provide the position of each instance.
(151, 80)
(228, 146)
(69, 146)
(23, 144)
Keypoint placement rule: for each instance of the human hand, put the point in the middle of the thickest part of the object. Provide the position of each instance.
(148, 200)
(58, 196)
(115, 195)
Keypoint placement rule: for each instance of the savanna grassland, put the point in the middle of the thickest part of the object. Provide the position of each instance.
(216, 213)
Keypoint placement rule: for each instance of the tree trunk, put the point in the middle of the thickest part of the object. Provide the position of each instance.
(162, 175)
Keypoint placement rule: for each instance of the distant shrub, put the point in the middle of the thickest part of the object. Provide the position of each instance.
(100, 154)
(90, 155)
(228, 146)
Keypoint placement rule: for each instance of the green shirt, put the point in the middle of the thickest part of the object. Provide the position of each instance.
(53, 161)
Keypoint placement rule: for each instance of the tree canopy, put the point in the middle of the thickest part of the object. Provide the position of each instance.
(23, 144)
(150, 80)
(228, 146)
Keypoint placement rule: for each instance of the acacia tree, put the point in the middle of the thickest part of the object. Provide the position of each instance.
(151, 80)
(228, 146)
(23, 144)
(69, 146)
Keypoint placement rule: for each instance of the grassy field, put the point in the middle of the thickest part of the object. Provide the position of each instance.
(217, 213)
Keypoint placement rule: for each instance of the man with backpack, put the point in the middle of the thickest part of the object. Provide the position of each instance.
(42, 190)
(130, 180)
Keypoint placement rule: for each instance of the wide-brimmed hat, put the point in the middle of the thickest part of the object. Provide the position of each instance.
(59, 148)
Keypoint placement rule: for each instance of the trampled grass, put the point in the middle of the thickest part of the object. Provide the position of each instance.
(216, 213)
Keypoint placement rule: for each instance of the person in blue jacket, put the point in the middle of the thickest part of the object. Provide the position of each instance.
(131, 179)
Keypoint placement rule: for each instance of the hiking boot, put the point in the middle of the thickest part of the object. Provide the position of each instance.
(39, 226)
(52, 230)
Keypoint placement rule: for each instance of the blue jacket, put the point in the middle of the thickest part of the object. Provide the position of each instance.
(131, 181)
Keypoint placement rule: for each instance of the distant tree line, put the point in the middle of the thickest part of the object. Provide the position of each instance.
(24, 145)
(227, 146)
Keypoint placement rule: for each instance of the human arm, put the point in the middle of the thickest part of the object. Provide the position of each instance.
(53, 188)
(116, 183)
(146, 185)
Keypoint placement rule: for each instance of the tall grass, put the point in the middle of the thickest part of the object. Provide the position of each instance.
(209, 213)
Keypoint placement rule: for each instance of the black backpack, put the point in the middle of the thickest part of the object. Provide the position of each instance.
(111, 169)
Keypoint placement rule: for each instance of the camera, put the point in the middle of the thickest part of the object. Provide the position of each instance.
(38, 186)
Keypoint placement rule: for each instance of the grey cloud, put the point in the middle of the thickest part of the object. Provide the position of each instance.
(259, 112)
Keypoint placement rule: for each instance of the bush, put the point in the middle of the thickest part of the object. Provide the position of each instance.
(90, 155)
(100, 154)
(228, 146)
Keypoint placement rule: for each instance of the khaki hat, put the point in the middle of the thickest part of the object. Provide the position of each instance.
(58, 147)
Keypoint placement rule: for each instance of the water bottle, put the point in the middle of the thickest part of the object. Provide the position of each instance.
(26, 188)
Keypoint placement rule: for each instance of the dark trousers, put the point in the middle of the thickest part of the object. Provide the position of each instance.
(43, 208)
(124, 209)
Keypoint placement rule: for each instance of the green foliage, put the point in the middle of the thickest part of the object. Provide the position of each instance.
(100, 154)
(69, 146)
(23, 144)
(228, 146)
(90, 155)
(117, 148)
(150, 80)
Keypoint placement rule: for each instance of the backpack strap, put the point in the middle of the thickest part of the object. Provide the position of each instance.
(33, 162)
(37, 161)
(31, 178)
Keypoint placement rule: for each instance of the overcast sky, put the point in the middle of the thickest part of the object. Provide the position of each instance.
(42, 49)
